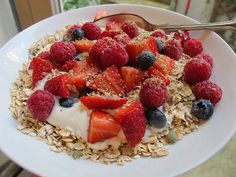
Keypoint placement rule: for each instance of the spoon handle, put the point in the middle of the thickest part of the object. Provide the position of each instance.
(228, 25)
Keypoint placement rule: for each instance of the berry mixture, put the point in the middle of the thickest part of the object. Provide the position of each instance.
(117, 90)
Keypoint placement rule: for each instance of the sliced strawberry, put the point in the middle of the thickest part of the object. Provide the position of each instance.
(70, 64)
(44, 55)
(131, 77)
(152, 72)
(113, 26)
(99, 102)
(110, 33)
(164, 64)
(102, 126)
(132, 121)
(135, 47)
(100, 14)
(40, 69)
(59, 85)
(85, 70)
(109, 81)
(77, 84)
(83, 45)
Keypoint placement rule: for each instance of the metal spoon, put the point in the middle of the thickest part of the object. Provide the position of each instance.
(143, 23)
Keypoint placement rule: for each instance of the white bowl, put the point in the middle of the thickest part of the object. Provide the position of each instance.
(192, 150)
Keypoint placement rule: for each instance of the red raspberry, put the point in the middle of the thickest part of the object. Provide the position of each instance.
(131, 29)
(91, 31)
(107, 52)
(205, 57)
(159, 34)
(122, 39)
(71, 30)
(196, 71)
(62, 52)
(182, 36)
(153, 93)
(209, 91)
(173, 49)
(193, 47)
(40, 104)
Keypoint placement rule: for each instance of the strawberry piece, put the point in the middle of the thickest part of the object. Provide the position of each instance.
(131, 77)
(59, 85)
(152, 72)
(70, 64)
(102, 126)
(164, 64)
(109, 81)
(83, 45)
(132, 121)
(113, 26)
(99, 102)
(45, 55)
(110, 33)
(85, 70)
(78, 83)
(100, 14)
(135, 47)
(40, 69)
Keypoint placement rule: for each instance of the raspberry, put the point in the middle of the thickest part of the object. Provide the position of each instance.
(205, 57)
(122, 39)
(62, 52)
(159, 34)
(40, 104)
(71, 30)
(91, 31)
(107, 52)
(182, 36)
(131, 29)
(153, 93)
(209, 91)
(196, 71)
(193, 47)
(173, 49)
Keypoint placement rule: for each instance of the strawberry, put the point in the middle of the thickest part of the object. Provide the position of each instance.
(44, 55)
(40, 69)
(85, 70)
(109, 81)
(70, 64)
(83, 45)
(110, 33)
(100, 14)
(131, 77)
(102, 126)
(59, 85)
(164, 64)
(78, 83)
(113, 26)
(132, 121)
(100, 102)
(152, 72)
(135, 47)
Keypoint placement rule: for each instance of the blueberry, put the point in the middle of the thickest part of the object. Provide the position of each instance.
(67, 102)
(145, 60)
(77, 34)
(78, 57)
(156, 118)
(202, 109)
(84, 92)
(160, 45)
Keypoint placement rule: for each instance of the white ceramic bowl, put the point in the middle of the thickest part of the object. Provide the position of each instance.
(194, 149)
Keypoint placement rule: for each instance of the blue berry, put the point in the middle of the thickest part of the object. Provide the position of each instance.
(156, 118)
(84, 92)
(78, 57)
(202, 109)
(160, 45)
(67, 102)
(146, 60)
(77, 34)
